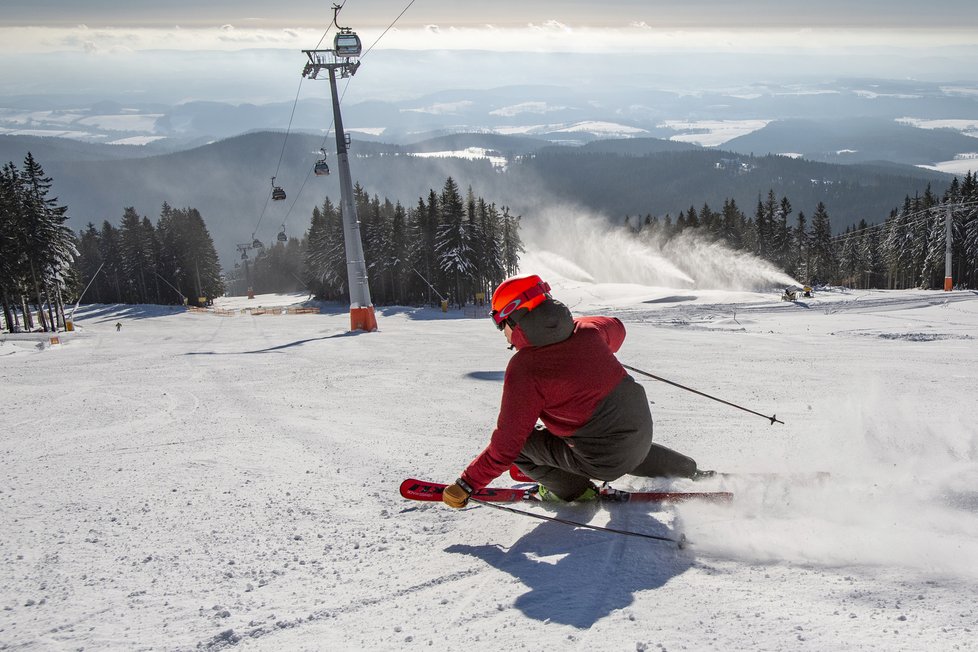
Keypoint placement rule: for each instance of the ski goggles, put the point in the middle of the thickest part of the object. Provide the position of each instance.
(502, 316)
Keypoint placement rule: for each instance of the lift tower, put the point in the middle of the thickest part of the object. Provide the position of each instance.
(344, 59)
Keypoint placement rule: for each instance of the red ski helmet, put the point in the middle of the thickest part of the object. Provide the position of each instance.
(517, 293)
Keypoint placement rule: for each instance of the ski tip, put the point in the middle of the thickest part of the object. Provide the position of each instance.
(414, 489)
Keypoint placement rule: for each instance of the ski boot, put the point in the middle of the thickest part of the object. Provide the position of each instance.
(591, 493)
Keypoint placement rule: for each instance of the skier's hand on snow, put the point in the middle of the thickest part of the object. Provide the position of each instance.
(457, 495)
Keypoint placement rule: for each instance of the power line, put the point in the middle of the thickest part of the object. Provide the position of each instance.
(918, 217)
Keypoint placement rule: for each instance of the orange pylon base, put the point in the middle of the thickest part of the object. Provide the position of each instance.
(363, 319)
(948, 284)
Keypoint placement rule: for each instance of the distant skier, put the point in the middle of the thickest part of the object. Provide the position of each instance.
(596, 418)
(118, 326)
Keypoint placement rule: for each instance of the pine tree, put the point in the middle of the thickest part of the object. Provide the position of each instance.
(136, 251)
(781, 235)
(324, 266)
(734, 225)
(108, 241)
(969, 222)
(932, 272)
(491, 255)
(454, 243)
(89, 264)
(49, 245)
(192, 269)
(12, 259)
(399, 252)
(512, 245)
(823, 266)
(426, 225)
(800, 249)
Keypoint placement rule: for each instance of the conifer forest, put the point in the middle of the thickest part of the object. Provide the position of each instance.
(450, 248)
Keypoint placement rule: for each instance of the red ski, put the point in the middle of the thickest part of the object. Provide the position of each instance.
(424, 490)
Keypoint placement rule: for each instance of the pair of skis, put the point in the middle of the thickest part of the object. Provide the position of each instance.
(424, 490)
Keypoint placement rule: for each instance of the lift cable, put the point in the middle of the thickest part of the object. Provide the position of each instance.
(919, 217)
(389, 27)
(342, 95)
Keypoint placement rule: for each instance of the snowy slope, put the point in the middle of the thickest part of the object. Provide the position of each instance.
(195, 481)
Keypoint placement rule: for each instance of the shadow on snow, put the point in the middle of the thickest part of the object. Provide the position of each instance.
(577, 576)
(486, 375)
(280, 347)
(116, 311)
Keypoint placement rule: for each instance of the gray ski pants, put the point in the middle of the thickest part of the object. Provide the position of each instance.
(617, 441)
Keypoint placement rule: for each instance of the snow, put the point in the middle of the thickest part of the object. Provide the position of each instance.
(526, 107)
(123, 122)
(50, 133)
(469, 153)
(711, 133)
(137, 140)
(204, 481)
(968, 127)
(961, 164)
(370, 131)
(601, 127)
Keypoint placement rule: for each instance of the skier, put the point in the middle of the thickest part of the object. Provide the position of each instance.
(596, 418)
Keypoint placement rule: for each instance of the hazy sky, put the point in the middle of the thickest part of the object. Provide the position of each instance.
(91, 46)
(91, 25)
(580, 13)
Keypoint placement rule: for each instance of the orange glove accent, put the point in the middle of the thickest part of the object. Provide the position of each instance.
(456, 495)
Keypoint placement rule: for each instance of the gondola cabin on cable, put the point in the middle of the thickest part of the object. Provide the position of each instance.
(346, 44)
(281, 235)
(277, 193)
(321, 169)
(257, 244)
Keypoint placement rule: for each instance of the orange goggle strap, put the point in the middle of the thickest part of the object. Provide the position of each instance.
(500, 316)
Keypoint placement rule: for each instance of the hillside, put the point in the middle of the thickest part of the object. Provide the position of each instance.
(229, 180)
(855, 141)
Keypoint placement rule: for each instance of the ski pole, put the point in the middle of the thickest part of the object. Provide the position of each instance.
(773, 418)
(681, 541)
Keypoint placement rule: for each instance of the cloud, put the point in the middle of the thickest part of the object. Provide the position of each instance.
(550, 35)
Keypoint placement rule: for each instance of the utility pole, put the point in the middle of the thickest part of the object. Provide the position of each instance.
(344, 57)
(948, 281)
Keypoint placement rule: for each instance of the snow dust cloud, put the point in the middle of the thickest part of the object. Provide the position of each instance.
(583, 247)
(901, 493)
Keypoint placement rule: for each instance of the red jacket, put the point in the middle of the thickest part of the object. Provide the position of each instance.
(561, 385)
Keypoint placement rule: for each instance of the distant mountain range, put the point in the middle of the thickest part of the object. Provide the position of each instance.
(229, 180)
(857, 115)
(855, 140)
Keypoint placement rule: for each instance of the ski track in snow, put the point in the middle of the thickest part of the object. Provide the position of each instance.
(204, 482)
